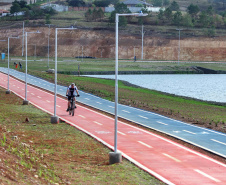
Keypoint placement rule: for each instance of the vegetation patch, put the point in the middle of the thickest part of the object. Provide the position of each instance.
(34, 151)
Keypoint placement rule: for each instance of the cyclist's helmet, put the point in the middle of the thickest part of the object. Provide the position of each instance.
(73, 84)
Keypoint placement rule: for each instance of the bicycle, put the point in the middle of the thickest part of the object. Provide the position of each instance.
(72, 105)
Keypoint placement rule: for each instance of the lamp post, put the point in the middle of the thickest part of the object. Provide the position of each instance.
(179, 45)
(8, 91)
(25, 101)
(23, 41)
(55, 118)
(116, 157)
(48, 44)
(142, 48)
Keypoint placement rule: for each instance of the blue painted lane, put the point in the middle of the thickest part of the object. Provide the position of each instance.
(205, 138)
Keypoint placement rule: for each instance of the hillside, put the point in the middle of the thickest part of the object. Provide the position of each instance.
(102, 42)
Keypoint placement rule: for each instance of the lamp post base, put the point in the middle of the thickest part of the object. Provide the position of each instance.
(54, 119)
(7, 92)
(115, 157)
(25, 102)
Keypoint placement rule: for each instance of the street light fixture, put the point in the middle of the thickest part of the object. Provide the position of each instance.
(116, 157)
(26, 102)
(54, 118)
(179, 45)
(8, 91)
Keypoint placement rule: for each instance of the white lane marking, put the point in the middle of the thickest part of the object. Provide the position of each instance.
(206, 175)
(161, 123)
(171, 157)
(32, 93)
(39, 97)
(22, 89)
(14, 85)
(98, 102)
(87, 98)
(82, 116)
(189, 132)
(121, 133)
(48, 101)
(18, 87)
(144, 144)
(58, 105)
(97, 123)
(218, 141)
(142, 117)
(111, 106)
(126, 111)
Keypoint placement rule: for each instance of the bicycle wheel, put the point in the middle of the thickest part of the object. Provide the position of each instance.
(72, 107)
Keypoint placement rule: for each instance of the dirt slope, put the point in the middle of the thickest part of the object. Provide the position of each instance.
(102, 43)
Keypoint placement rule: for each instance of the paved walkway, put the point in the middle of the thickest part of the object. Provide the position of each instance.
(207, 139)
(170, 162)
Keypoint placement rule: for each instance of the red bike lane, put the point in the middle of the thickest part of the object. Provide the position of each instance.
(168, 161)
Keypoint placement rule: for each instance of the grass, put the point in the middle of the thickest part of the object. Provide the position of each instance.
(96, 65)
(49, 154)
(188, 110)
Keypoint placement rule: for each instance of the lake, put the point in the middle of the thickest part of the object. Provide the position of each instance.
(208, 87)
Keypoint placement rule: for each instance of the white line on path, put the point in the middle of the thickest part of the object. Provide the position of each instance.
(169, 156)
(142, 117)
(121, 133)
(161, 123)
(110, 106)
(206, 175)
(189, 132)
(145, 144)
(97, 123)
(98, 102)
(126, 111)
(58, 105)
(82, 116)
(87, 98)
(48, 101)
(218, 142)
(38, 96)
(32, 93)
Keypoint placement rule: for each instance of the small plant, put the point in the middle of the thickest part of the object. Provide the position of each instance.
(3, 141)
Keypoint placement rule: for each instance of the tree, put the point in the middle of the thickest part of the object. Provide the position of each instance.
(100, 14)
(168, 14)
(104, 3)
(94, 14)
(88, 15)
(76, 3)
(48, 19)
(204, 19)
(23, 4)
(174, 6)
(160, 2)
(15, 8)
(187, 21)
(177, 18)
(210, 10)
(193, 10)
(120, 8)
(161, 15)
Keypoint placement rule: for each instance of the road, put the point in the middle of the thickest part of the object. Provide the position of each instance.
(207, 139)
(170, 162)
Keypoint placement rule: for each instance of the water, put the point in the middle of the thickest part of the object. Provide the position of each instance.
(209, 87)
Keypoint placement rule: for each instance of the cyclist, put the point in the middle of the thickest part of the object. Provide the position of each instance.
(71, 92)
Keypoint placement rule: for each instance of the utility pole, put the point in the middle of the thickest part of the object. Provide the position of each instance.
(23, 41)
(179, 44)
(142, 48)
